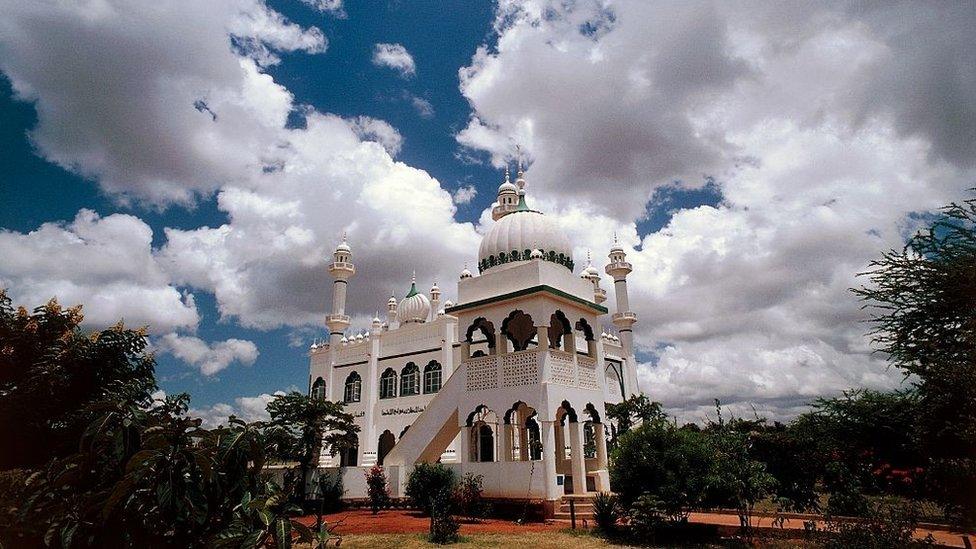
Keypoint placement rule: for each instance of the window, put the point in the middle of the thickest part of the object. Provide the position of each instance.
(354, 388)
(318, 389)
(410, 380)
(432, 377)
(388, 384)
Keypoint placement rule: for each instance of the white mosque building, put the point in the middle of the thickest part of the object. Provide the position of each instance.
(508, 383)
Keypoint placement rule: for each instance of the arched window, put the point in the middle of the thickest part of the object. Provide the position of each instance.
(613, 381)
(535, 439)
(432, 377)
(318, 389)
(519, 328)
(388, 384)
(354, 388)
(349, 456)
(386, 443)
(410, 380)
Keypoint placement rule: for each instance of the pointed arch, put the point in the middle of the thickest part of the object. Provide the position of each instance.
(519, 328)
(559, 326)
(432, 377)
(353, 388)
(486, 328)
(410, 380)
(388, 383)
(318, 389)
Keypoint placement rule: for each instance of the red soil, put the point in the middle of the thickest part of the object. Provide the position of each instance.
(362, 521)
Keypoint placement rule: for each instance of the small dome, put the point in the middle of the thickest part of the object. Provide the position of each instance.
(465, 273)
(345, 339)
(392, 301)
(520, 231)
(435, 289)
(414, 308)
(536, 254)
(508, 188)
(376, 318)
(616, 245)
(359, 337)
(343, 247)
(448, 304)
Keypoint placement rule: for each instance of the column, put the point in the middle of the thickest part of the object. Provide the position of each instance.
(501, 343)
(523, 440)
(465, 350)
(591, 348)
(579, 463)
(560, 444)
(464, 444)
(549, 452)
(542, 334)
(600, 437)
(506, 436)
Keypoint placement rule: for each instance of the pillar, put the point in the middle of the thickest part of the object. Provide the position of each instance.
(543, 336)
(523, 440)
(465, 350)
(591, 348)
(506, 436)
(560, 443)
(600, 437)
(549, 452)
(578, 461)
(464, 444)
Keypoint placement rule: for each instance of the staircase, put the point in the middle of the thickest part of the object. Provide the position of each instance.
(440, 417)
(583, 504)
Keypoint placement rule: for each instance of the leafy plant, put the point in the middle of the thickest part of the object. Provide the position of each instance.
(444, 526)
(468, 498)
(645, 517)
(888, 524)
(264, 519)
(427, 481)
(376, 489)
(606, 511)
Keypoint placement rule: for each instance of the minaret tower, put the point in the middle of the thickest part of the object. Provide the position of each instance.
(593, 276)
(391, 311)
(624, 319)
(341, 270)
(435, 301)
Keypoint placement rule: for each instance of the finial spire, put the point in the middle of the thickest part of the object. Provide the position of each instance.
(506, 174)
(588, 262)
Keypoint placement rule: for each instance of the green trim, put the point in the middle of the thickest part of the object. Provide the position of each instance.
(527, 291)
(522, 206)
(413, 290)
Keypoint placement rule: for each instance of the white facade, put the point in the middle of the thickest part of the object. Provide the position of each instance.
(509, 383)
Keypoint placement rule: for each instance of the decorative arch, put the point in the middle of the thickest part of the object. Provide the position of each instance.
(386, 443)
(584, 326)
(388, 383)
(594, 415)
(410, 380)
(486, 328)
(433, 377)
(559, 326)
(318, 389)
(519, 328)
(353, 389)
(565, 411)
(614, 380)
(349, 455)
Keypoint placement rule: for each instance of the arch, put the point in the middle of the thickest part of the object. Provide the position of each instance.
(388, 384)
(592, 413)
(584, 326)
(386, 443)
(479, 413)
(564, 411)
(519, 328)
(486, 328)
(478, 353)
(589, 438)
(534, 438)
(559, 326)
(410, 380)
(432, 377)
(318, 389)
(482, 442)
(349, 456)
(614, 383)
(353, 389)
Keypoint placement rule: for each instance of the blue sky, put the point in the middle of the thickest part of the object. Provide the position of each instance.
(192, 166)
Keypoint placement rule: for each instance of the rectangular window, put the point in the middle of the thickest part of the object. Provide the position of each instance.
(388, 387)
(432, 381)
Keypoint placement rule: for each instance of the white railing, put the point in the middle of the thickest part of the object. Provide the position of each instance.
(524, 368)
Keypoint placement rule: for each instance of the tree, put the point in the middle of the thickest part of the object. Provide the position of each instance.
(636, 409)
(923, 304)
(51, 372)
(377, 491)
(301, 426)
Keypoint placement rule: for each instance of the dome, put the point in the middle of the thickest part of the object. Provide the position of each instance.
(508, 187)
(590, 272)
(414, 308)
(521, 231)
(465, 273)
(536, 254)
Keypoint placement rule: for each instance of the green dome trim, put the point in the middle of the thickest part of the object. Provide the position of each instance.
(413, 290)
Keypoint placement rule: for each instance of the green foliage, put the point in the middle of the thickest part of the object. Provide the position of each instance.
(427, 481)
(444, 526)
(330, 490)
(887, 524)
(924, 320)
(663, 461)
(301, 426)
(376, 489)
(467, 496)
(646, 516)
(51, 373)
(637, 408)
(606, 511)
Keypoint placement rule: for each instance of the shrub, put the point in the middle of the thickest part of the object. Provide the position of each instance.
(467, 496)
(646, 516)
(443, 526)
(888, 524)
(606, 511)
(330, 490)
(426, 481)
(376, 489)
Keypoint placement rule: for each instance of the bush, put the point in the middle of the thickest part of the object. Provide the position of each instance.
(467, 497)
(330, 490)
(606, 511)
(426, 481)
(888, 524)
(443, 526)
(646, 516)
(376, 489)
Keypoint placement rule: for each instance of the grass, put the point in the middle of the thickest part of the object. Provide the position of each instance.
(535, 540)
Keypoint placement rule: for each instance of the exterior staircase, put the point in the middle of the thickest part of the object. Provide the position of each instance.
(583, 504)
(440, 417)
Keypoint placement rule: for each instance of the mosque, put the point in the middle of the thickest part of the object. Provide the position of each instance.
(508, 383)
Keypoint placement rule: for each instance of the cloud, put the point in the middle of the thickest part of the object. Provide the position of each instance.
(372, 129)
(335, 7)
(248, 409)
(465, 194)
(396, 57)
(210, 358)
(824, 131)
(103, 263)
(422, 106)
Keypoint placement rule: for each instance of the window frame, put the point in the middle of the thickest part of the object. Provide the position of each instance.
(388, 384)
(433, 367)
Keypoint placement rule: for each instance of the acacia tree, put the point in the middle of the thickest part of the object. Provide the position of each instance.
(301, 426)
(923, 304)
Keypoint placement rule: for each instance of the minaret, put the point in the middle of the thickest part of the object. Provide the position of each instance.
(593, 276)
(391, 311)
(435, 301)
(341, 270)
(624, 319)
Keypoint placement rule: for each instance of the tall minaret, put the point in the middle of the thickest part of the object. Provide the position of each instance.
(593, 276)
(435, 301)
(341, 270)
(624, 318)
(391, 311)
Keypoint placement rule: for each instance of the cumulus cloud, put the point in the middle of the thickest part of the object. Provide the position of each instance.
(465, 194)
(335, 7)
(210, 358)
(104, 263)
(422, 106)
(246, 408)
(396, 57)
(825, 131)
